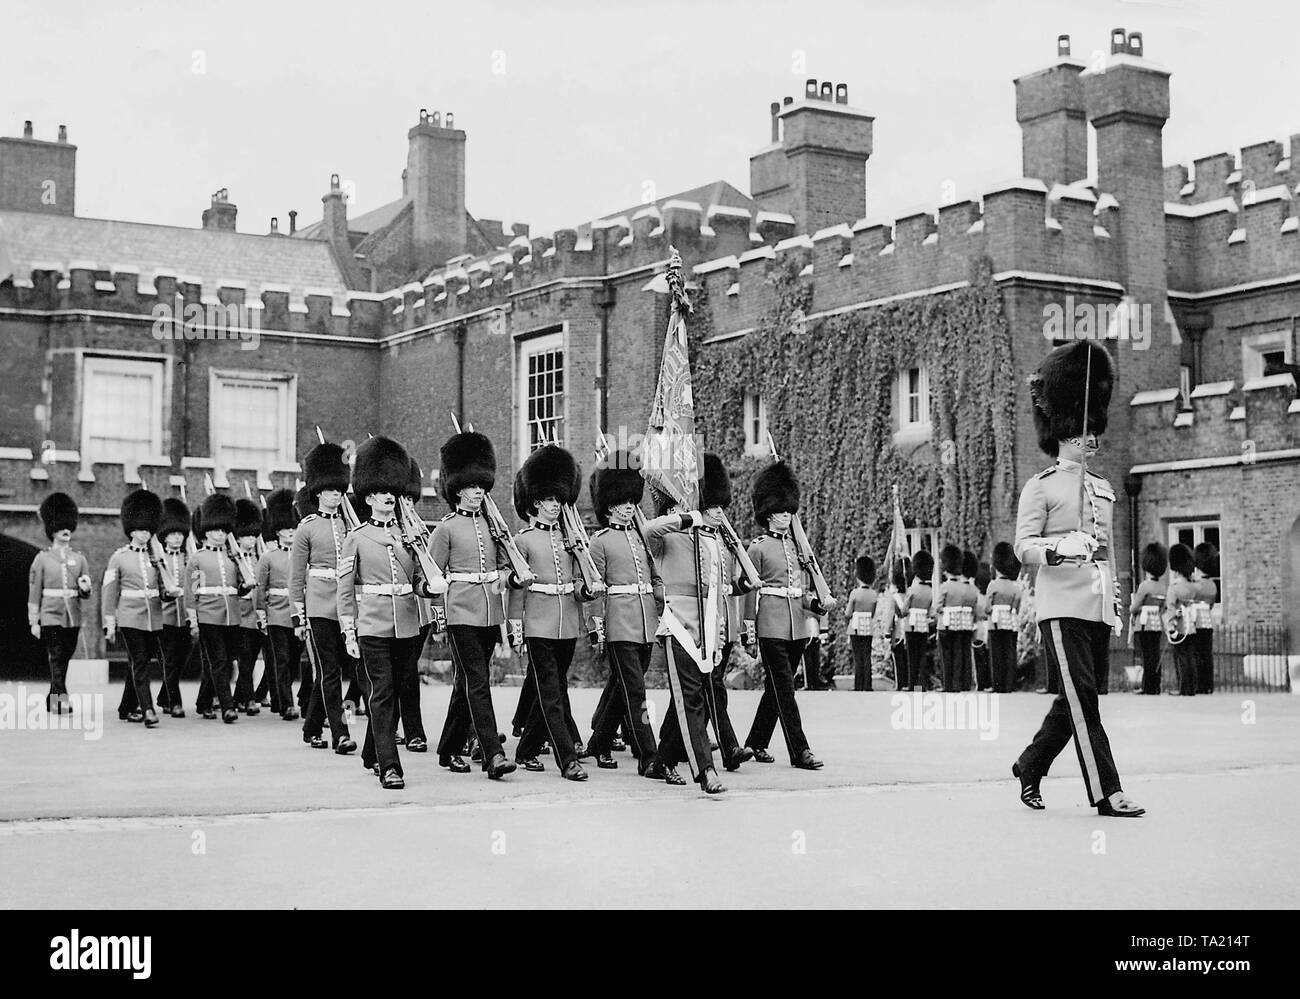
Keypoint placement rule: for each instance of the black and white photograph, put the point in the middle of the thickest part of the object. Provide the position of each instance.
(709, 456)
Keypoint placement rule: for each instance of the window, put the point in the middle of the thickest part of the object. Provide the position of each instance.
(755, 425)
(541, 390)
(121, 409)
(1185, 386)
(1191, 533)
(252, 417)
(914, 399)
(1259, 349)
(1273, 358)
(924, 538)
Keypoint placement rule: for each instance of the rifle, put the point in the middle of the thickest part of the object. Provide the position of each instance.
(807, 558)
(413, 535)
(172, 588)
(232, 549)
(191, 545)
(350, 519)
(261, 541)
(578, 542)
(497, 527)
(732, 540)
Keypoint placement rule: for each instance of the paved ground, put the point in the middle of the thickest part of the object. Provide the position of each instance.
(197, 813)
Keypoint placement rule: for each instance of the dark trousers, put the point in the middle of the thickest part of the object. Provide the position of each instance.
(954, 654)
(383, 660)
(812, 666)
(1077, 651)
(716, 702)
(177, 647)
(902, 674)
(1204, 639)
(281, 645)
(250, 644)
(1002, 660)
(983, 665)
(527, 698)
(218, 645)
(1148, 643)
(686, 685)
(353, 697)
(59, 644)
(777, 702)
(471, 696)
(623, 702)
(549, 660)
(327, 689)
(918, 660)
(142, 648)
(408, 691)
(860, 646)
(306, 678)
(1185, 665)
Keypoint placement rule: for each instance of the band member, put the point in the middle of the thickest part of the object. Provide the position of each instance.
(475, 565)
(177, 645)
(919, 609)
(546, 614)
(625, 618)
(902, 572)
(57, 583)
(774, 614)
(859, 612)
(1180, 603)
(1206, 556)
(273, 570)
(313, 590)
(1145, 614)
(131, 602)
(212, 605)
(248, 527)
(1003, 596)
(954, 609)
(408, 691)
(1064, 527)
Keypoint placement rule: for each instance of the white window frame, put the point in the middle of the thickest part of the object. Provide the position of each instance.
(1198, 535)
(915, 536)
(923, 398)
(755, 408)
(1255, 346)
(156, 366)
(529, 348)
(289, 407)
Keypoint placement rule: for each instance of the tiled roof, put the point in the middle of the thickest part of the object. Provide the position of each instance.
(717, 193)
(210, 254)
(365, 224)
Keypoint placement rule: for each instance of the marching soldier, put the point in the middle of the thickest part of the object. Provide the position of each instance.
(1064, 527)
(212, 605)
(774, 615)
(408, 691)
(475, 565)
(248, 526)
(58, 581)
(131, 602)
(1206, 556)
(1003, 596)
(860, 610)
(313, 590)
(954, 608)
(303, 507)
(1145, 614)
(273, 571)
(1180, 605)
(177, 645)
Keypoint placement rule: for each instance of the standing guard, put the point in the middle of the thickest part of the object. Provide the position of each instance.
(177, 645)
(58, 581)
(212, 605)
(273, 570)
(248, 528)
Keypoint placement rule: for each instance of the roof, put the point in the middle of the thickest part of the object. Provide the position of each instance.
(211, 254)
(717, 193)
(364, 224)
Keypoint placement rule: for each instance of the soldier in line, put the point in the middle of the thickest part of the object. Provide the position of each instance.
(1146, 614)
(273, 570)
(177, 645)
(901, 573)
(859, 611)
(919, 617)
(408, 690)
(1180, 604)
(1206, 556)
(303, 507)
(57, 583)
(1003, 596)
(212, 605)
(954, 608)
(248, 527)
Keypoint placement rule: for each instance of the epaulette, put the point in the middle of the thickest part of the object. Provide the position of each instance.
(525, 530)
(309, 517)
(447, 517)
(603, 530)
(1096, 476)
(1045, 472)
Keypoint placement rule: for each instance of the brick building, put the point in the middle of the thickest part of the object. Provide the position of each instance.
(422, 309)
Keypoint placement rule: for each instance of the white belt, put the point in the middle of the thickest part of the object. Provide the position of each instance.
(386, 589)
(278, 591)
(553, 589)
(58, 593)
(630, 588)
(781, 591)
(471, 577)
(215, 591)
(323, 572)
(138, 593)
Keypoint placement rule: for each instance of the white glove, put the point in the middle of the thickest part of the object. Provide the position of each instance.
(350, 643)
(110, 628)
(83, 583)
(36, 631)
(1076, 544)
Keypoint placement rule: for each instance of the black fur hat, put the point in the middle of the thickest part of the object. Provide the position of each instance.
(415, 482)
(923, 566)
(468, 459)
(1056, 392)
(1155, 559)
(324, 468)
(248, 518)
(864, 568)
(615, 482)
(950, 560)
(382, 466)
(520, 499)
(983, 576)
(1206, 557)
(304, 503)
(902, 572)
(175, 517)
(141, 511)
(280, 514)
(716, 488)
(970, 565)
(58, 512)
(550, 471)
(775, 490)
(1181, 560)
(217, 514)
(196, 524)
(1005, 561)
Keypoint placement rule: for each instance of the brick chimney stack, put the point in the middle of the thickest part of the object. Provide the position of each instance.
(221, 214)
(1053, 123)
(435, 180)
(38, 176)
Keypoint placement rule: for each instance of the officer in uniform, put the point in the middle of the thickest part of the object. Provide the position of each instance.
(212, 605)
(465, 550)
(273, 570)
(775, 613)
(408, 691)
(57, 582)
(248, 526)
(313, 589)
(177, 645)
(1064, 528)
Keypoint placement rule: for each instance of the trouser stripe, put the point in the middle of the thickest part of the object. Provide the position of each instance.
(1091, 774)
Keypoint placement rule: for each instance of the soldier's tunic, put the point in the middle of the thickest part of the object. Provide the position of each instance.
(1207, 595)
(273, 598)
(212, 603)
(778, 610)
(177, 644)
(1076, 604)
(859, 611)
(1148, 603)
(955, 605)
(1182, 594)
(131, 599)
(463, 548)
(54, 605)
(378, 583)
(1003, 598)
(313, 590)
(250, 635)
(628, 620)
(919, 597)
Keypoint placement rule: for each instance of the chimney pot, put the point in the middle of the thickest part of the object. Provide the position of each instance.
(436, 119)
(451, 120)
(776, 122)
(424, 115)
(788, 101)
(1062, 46)
(1135, 44)
(810, 90)
(828, 91)
(275, 224)
(63, 133)
(27, 130)
(841, 93)
(293, 222)
(1118, 41)
(334, 182)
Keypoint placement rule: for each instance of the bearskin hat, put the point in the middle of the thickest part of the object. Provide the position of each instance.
(58, 513)
(613, 483)
(775, 490)
(323, 468)
(248, 518)
(382, 466)
(303, 503)
(982, 576)
(1005, 561)
(217, 514)
(550, 471)
(415, 482)
(520, 498)
(196, 524)
(950, 560)
(923, 566)
(902, 573)
(970, 564)
(1206, 557)
(864, 568)
(175, 517)
(1057, 389)
(1155, 559)
(141, 511)
(280, 514)
(715, 490)
(1181, 560)
(468, 459)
